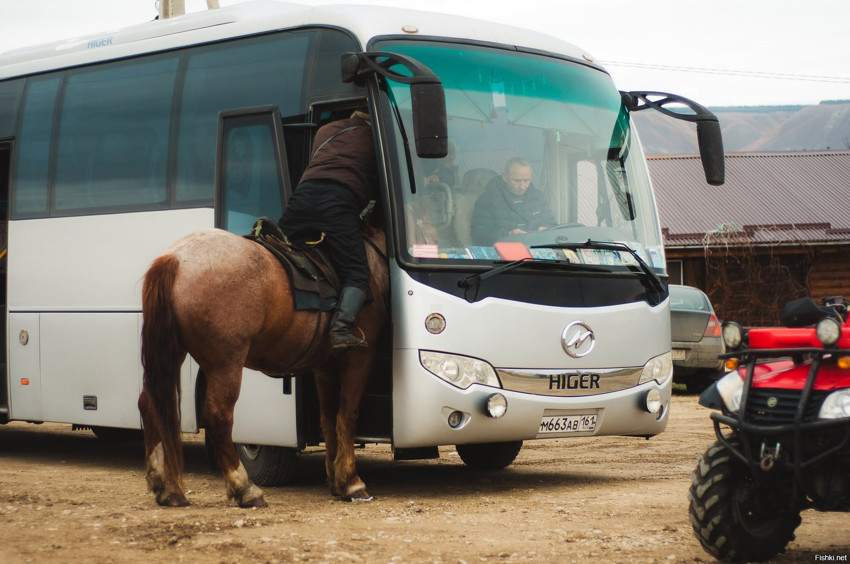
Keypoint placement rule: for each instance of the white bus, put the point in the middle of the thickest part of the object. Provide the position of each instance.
(113, 146)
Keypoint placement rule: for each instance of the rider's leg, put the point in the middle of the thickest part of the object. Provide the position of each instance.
(351, 299)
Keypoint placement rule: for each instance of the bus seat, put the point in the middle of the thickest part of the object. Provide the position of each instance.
(474, 183)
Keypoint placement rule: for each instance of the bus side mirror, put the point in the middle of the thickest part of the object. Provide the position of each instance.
(709, 137)
(428, 99)
(430, 130)
(710, 143)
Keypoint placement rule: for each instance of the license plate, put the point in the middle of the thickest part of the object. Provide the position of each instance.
(567, 424)
(679, 354)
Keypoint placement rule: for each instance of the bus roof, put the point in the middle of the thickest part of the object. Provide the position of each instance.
(364, 22)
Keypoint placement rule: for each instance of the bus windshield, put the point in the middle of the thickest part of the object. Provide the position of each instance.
(541, 157)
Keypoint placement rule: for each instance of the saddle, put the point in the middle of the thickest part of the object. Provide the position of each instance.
(315, 284)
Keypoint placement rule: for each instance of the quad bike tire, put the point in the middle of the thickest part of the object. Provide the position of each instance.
(727, 514)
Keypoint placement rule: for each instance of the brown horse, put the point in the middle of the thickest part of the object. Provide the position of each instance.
(227, 302)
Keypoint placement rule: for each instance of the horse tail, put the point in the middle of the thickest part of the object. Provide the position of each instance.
(162, 357)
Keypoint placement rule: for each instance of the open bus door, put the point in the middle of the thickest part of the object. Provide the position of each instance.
(5, 161)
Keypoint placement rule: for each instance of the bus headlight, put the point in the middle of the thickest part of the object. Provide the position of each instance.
(659, 369)
(652, 401)
(460, 371)
(836, 405)
(496, 406)
(731, 388)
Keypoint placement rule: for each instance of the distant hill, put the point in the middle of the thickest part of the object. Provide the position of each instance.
(754, 128)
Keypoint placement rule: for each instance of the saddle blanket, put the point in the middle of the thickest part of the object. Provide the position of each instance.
(306, 267)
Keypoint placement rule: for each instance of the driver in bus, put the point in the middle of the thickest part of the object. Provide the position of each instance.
(336, 186)
(510, 205)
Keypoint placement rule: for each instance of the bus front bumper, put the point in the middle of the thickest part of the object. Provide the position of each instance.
(428, 411)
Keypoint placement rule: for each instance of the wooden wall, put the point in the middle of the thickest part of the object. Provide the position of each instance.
(752, 285)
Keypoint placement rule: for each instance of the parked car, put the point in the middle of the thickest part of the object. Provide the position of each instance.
(696, 341)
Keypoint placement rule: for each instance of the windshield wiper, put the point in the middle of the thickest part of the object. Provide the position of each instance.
(474, 281)
(656, 290)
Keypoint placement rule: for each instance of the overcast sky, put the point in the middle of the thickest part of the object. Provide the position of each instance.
(718, 52)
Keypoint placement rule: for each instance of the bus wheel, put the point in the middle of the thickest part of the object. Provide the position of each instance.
(489, 456)
(735, 516)
(268, 465)
(117, 434)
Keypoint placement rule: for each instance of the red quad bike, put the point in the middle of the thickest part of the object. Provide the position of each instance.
(783, 433)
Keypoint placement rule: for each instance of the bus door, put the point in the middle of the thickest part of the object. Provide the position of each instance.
(5, 162)
(251, 182)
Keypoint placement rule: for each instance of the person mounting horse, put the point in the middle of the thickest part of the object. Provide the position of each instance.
(229, 303)
(336, 186)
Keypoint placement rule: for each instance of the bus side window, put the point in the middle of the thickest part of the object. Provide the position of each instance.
(33, 148)
(216, 79)
(113, 137)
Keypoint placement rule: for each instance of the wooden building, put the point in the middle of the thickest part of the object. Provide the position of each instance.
(778, 229)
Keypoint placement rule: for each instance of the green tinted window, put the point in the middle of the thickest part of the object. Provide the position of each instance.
(29, 185)
(541, 157)
(233, 75)
(113, 137)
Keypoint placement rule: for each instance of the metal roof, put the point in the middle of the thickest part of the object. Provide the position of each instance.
(790, 198)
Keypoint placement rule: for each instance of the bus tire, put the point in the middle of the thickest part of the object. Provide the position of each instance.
(735, 517)
(117, 434)
(268, 465)
(489, 456)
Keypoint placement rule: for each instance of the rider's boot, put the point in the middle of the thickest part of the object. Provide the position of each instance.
(351, 299)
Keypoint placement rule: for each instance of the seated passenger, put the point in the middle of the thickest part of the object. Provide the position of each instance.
(510, 205)
(443, 170)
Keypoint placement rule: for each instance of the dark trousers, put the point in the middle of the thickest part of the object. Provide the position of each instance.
(318, 207)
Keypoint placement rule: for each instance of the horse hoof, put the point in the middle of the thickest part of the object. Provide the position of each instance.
(252, 497)
(257, 502)
(174, 500)
(357, 495)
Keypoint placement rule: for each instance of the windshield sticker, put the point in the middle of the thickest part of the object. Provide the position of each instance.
(425, 251)
(487, 253)
(655, 257)
(546, 254)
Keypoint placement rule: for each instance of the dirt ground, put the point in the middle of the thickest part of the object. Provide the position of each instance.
(67, 496)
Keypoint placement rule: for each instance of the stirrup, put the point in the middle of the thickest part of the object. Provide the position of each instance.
(348, 341)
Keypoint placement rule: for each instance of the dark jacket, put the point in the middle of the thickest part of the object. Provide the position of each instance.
(498, 211)
(343, 152)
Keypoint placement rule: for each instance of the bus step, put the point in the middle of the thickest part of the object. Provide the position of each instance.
(419, 453)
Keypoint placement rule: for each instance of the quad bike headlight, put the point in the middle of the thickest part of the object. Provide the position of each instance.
(733, 334)
(836, 405)
(731, 388)
(828, 331)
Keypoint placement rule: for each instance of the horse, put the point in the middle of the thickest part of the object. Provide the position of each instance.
(227, 301)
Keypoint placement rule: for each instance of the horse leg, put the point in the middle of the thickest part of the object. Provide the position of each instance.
(327, 387)
(350, 387)
(222, 393)
(163, 473)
